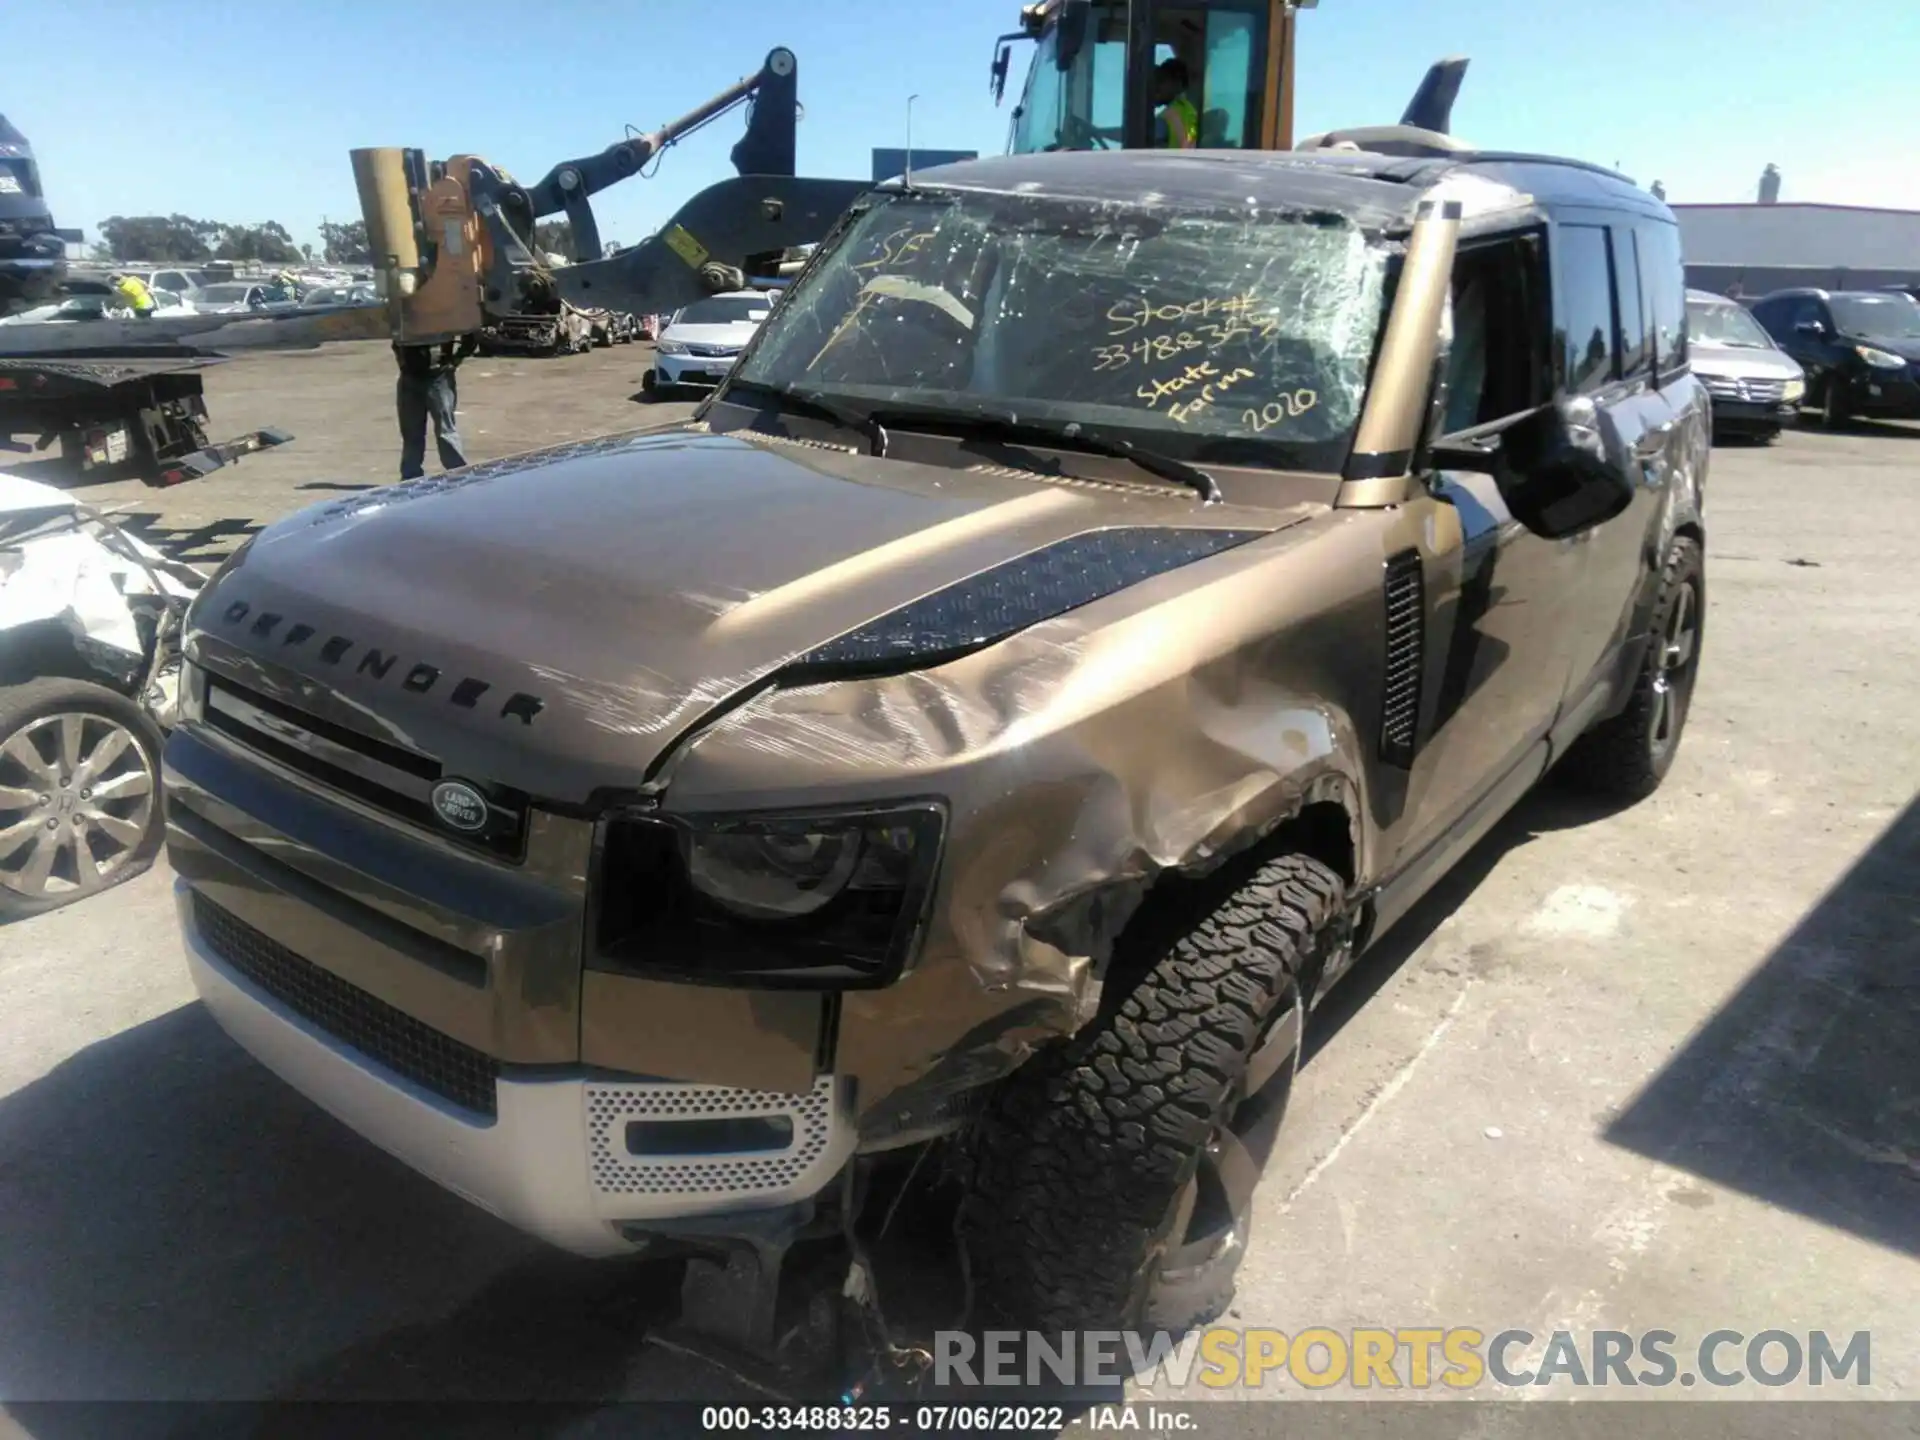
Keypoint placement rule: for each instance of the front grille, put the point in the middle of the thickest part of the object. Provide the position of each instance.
(393, 779)
(1763, 392)
(389, 1037)
(714, 352)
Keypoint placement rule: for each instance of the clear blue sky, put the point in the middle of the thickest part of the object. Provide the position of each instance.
(245, 112)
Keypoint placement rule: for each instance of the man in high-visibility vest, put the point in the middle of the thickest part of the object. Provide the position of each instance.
(133, 291)
(1178, 114)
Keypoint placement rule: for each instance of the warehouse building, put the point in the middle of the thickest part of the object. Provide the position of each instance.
(1764, 247)
(889, 164)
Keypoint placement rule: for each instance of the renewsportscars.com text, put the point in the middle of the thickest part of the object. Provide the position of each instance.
(1408, 1358)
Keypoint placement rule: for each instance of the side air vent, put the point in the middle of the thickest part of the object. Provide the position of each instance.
(1405, 591)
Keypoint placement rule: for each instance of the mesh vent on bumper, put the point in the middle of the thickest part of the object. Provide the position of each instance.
(454, 1071)
(617, 1171)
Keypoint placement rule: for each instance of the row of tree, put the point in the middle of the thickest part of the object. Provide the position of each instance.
(180, 239)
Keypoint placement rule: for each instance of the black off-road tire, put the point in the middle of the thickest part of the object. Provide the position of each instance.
(1623, 758)
(1079, 1165)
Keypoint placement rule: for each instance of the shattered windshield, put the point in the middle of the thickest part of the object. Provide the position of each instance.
(1234, 338)
(1725, 324)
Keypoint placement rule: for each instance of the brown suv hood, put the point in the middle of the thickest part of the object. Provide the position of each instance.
(555, 621)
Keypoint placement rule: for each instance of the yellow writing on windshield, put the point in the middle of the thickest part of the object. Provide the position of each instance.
(1186, 410)
(1140, 311)
(1156, 389)
(898, 246)
(1288, 407)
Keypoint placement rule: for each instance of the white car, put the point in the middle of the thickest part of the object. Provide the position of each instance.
(89, 624)
(240, 297)
(182, 283)
(701, 342)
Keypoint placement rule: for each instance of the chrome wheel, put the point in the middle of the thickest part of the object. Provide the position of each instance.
(76, 800)
(1673, 675)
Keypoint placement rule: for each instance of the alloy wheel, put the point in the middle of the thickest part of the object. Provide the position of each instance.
(76, 800)
(1208, 1232)
(1673, 677)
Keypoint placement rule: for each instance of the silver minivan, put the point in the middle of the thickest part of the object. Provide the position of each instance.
(1756, 386)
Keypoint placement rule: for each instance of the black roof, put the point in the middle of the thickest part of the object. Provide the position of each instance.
(1376, 190)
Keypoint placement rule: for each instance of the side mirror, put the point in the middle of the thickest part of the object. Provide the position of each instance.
(1551, 467)
(1810, 327)
(997, 75)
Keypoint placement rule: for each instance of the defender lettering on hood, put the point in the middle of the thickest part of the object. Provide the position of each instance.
(418, 679)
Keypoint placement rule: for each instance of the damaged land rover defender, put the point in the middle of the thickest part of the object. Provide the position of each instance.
(1106, 594)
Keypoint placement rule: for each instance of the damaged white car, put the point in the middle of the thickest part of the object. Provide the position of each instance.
(89, 669)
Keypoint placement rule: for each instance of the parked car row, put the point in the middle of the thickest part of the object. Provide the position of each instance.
(1843, 353)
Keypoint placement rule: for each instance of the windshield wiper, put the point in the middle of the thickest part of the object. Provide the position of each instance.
(1071, 435)
(811, 402)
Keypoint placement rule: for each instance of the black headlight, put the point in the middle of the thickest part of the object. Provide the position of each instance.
(816, 900)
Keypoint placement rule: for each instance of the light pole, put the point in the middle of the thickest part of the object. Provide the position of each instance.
(909, 174)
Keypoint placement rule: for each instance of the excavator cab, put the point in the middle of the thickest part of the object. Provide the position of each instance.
(1091, 81)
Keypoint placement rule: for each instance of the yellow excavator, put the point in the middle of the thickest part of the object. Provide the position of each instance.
(453, 241)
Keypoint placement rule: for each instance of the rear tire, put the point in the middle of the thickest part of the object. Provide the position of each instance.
(1101, 1188)
(80, 807)
(1626, 757)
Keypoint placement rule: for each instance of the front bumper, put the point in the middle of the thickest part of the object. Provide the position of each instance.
(693, 369)
(556, 1158)
(1887, 394)
(1753, 415)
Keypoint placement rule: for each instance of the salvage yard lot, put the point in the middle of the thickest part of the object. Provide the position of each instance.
(1651, 1070)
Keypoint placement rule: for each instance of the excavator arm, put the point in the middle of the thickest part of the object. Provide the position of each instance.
(453, 242)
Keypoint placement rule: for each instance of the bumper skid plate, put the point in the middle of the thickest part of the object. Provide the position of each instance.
(568, 1158)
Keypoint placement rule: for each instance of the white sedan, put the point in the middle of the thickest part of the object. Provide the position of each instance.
(700, 344)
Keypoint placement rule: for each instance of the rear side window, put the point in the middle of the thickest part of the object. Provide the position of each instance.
(1583, 305)
(1663, 282)
(1636, 354)
(1805, 311)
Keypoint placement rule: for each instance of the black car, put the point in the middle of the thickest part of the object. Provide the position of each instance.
(1860, 349)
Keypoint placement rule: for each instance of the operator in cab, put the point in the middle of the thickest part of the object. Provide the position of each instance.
(134, 294)
(1179, 118)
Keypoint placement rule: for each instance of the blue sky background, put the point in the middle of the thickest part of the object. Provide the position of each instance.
(245, 112)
